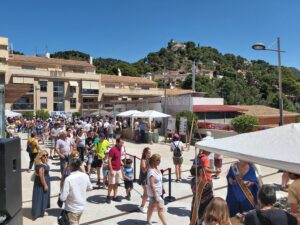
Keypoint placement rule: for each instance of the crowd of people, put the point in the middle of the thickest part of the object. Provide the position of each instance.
(94, 145)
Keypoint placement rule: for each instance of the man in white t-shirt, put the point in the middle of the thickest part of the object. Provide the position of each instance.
(74, 192)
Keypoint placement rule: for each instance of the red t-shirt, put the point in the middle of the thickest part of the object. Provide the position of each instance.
(115, 155)
(205, 164)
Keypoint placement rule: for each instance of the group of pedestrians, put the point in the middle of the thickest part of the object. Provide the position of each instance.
(84, 148)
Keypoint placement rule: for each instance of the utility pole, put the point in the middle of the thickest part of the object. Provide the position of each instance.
(194, 75)
(2, 110)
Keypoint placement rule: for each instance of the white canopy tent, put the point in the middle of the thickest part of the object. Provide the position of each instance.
(102, 113)
(277, 147)
(150, 114)
(128, 113)
(9, 113)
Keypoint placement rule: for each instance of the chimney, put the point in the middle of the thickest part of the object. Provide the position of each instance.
(91, 60)
(47, 55)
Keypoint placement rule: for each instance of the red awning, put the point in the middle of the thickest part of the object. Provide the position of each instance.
(216, 108)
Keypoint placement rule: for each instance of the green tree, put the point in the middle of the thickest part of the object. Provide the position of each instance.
(190, 117)
(77, 114)
(28, 115)
(41, 113)
(244, 123)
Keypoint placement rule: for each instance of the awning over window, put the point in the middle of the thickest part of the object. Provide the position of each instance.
(23, 80)
(18, 80)
(90, 85)
(73, 83)
(94, 85)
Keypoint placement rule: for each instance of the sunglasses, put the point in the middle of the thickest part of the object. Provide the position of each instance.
(158, 160)
(44, 155)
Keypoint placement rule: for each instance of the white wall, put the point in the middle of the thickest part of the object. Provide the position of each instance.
(208, 101)
(177, 104)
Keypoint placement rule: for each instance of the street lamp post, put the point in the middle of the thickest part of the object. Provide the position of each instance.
(261, 46)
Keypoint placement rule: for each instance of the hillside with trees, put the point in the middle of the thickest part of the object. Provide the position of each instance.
(236, 79)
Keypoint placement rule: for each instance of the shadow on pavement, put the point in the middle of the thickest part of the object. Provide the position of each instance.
(132, 222)
(54, 178)
(97, 199)
(127, 207)
(179, 211)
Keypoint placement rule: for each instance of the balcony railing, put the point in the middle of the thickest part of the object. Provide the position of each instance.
(22, 106)
(90, 105)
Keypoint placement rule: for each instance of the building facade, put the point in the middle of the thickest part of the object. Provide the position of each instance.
(33, 83)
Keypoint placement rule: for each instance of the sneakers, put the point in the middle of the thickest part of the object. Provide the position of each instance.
(143, 209)
(46, 214)
(108, 200)
(128, 197)
(116, 199)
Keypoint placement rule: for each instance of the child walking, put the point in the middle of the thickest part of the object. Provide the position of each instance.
(105, 169)
(128, 180)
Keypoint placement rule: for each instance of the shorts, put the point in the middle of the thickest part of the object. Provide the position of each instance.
(114, 177)
(97, 162)
(90, 159)
(105, 172)
(128, 184)
(177, 161)
(218, 163)
(152, 200)
(53, 143)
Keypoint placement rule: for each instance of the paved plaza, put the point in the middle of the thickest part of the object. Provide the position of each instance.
(126, 212)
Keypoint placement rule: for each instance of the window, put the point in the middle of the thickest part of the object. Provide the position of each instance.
(43, 101)
(73, 103)
(90, 91)
(72, 89)
(28, 67)
(58, 96)
(43, 86)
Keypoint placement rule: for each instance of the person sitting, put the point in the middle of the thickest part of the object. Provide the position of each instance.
(267, 214)
(216, 213)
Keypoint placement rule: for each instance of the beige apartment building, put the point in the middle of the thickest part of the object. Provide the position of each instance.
(33, 83)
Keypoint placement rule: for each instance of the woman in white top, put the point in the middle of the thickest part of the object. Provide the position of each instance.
(177, 148)
(155, 189)
(80, 142)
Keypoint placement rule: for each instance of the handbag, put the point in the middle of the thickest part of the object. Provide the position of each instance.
(32, 177)
(63, 218)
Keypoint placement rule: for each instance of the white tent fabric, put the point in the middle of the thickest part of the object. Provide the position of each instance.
(277, 147)
(128, 113)
(150, 114)
(9, 113)
(102, 113)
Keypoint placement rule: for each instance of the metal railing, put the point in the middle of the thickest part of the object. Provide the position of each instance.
(22, 106)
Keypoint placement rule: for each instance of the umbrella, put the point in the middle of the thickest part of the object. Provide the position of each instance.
(9, 113)
(276, 147)
(150, 114)
(128, 113)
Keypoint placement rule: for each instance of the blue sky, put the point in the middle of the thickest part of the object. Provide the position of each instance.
(130, 29)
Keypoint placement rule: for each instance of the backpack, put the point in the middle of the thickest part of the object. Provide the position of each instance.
(177, 152)
(29, 148)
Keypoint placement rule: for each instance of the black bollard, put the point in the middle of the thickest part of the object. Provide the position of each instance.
(170, 198)
(134, 168)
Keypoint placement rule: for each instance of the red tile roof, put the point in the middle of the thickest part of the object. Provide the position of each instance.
(48, 61)
(216, 108)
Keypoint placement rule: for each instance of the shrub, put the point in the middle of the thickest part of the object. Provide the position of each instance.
(27, 115)
(77, 114)
(244, 123)
(41, 113)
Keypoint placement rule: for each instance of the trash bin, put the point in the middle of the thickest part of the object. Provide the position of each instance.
(148, 137)
(155, 137)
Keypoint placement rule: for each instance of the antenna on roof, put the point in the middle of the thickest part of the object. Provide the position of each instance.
(46, 49)
(36, 51)
(11, 50)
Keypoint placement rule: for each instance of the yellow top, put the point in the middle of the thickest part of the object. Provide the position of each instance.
(33, 142)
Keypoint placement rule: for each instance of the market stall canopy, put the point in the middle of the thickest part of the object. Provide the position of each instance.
(277, 147)
(9, 113)
(128, 113)
(102, 113)
(150, 114)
